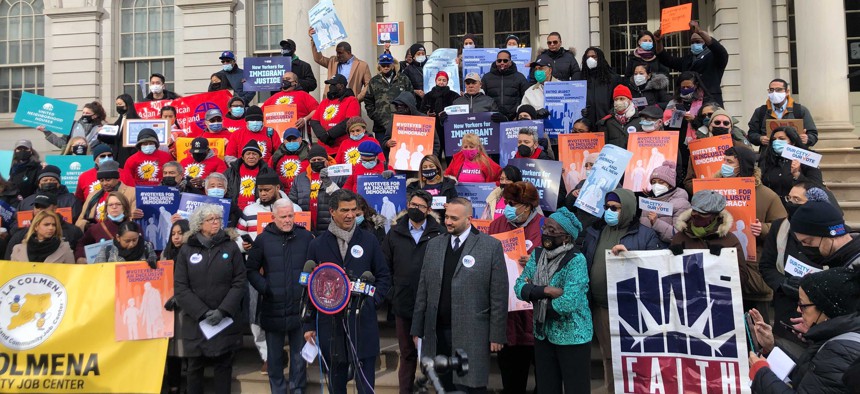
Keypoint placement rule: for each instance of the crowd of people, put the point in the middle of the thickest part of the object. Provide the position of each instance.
(443, 279)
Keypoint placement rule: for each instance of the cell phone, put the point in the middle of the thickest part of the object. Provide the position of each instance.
(752, 341)
(247, 238)
(788, 327)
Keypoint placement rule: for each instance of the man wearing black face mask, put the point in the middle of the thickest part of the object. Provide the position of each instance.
(329, 120)
(306, 79)
(25, 168)
(48, 182)
(292, 93)
(528, 147)
(172, 175)
(404, 104)
(312, 187)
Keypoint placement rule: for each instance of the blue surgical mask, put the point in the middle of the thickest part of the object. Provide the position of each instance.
(356, 137)
(237, 112)
(368, 164)
(510, 213)
(216, 192)
(611, 217)
(293, 146)
(117, 218)
(540, 76)
(697, 48)
(359, 220)
(227, 67)
(727, 171)
(647, 45)
(779, 145)
(148, 149)
(216, 127)
(647, 125)
(255, 125)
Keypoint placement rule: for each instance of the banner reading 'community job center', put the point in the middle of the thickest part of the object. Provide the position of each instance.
(57, 333)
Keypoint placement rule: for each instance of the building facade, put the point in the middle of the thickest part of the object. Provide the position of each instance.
(84, 50)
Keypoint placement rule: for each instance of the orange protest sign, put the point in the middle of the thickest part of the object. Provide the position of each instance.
(414, 136)
(676, 18)
(482, 225)
(740, 202)
(572, 151)
(707, 154)
(514, 244)
(263, 218)
(650, 150)
(141, 293)
(280, 117)
(218, 145)
(26, 217)
(772, 124)
(303, 219)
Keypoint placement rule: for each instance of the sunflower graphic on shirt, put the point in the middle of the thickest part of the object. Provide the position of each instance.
(263, 148)
(148, 170)
(351, 155)
(315, 189)
(290, 168)
(195, 170)
(246, 185)
(285, 100)
(95, 186)
(330, 111)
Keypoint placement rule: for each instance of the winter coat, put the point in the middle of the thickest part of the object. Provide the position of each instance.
(564, 64)
(236, 76)
(380, 94)
(282, 256)
(447, 190)
(359, 74)
(168, 95)
(415, 72)
(437, 99)
(710, 64)
(793, 110)
(71, 234)
(374, 225)
(638, 237)
(210, 276)
(479, 304)
(505, 87)
(653, 65)
(93, 234)
(776, 173)
(615, 133)
(300, 193)
(534, 96)
(404, 260)
(655, 90)
(821, 368)
(665, 225)
(491, 171)
(477, 103)
(65, 199)
(568, 318)
(110, 254)
(362, 254)
(62, 255)
(598, 98)
(24, 176)
(90, 214)
(307, 81)
(234, 178)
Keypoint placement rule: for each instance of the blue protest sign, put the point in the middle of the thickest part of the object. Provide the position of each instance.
(188, 202)
(477, 194)
(34, 111)
(6, 162)
(456, 126)
(545, 175)
(329, 29)
(386, 196)
(71, 168)
(608, 169)
(442, 59)
(158, 204)
(564, 100)
(480, 60)
(264, 74)
(388, 32)
(7, 212)
(508, 134)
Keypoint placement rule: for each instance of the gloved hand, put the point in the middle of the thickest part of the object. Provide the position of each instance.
(498, 118)
(542, 113)
(715, 249)
(152, 264)
(387, 174)
(676, 249)
(170, 305)
(214, 317)
(324, 179)
(442, 116)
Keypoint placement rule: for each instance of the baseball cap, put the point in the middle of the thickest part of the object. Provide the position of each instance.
(472, 77)
(227, 55)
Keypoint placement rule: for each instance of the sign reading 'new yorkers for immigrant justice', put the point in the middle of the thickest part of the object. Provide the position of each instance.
(264, 74)
(480, 124)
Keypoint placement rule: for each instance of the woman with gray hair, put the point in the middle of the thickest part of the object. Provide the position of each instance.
(210, 284)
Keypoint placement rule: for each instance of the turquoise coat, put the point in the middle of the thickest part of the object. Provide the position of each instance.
(568, 321)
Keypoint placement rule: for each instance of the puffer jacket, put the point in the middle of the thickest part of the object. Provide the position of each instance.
(65, 199)
(300, 193)
(380, 93)
(400, 249)
(24, 176)
(615, 133)
(564, 64)
(655, 90)
(281, 255)
(505, 87)
(234, 178)
(415, 72)
(478, 102)
(665, 225)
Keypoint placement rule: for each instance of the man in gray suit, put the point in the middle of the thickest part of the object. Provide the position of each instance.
(462, 300)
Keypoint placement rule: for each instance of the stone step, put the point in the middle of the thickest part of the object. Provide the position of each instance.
(839, 155)
(841, 172)
(845, 192)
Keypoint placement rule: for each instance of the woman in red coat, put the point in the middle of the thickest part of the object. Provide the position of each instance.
(471, 164)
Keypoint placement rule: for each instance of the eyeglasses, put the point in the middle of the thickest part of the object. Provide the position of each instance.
(792, 199)
(803, 306)
(552, 42)
(778, 90)
(214, 219)
(612, 208)
(707, 115)
(419, 206)
(114, 205)
(502, 61)
(721, 123)
(105, 156)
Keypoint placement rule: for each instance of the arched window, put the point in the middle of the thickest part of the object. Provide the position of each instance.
(146, 43)
(22, 51)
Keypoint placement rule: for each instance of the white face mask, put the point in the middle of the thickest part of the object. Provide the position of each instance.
(639, 79)
(468, 46)
(591, 63)
(776, 97)
(157, 89)
(421, 59)
(512, 46)
(659, 189)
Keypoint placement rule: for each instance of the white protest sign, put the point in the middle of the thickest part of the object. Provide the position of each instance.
(795, 267)
(439, 202)
(659, 207)
(340, 170)
(804, 156)
(458, 109)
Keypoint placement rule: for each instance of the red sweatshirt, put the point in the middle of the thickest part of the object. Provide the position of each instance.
(288, 167)
(204, 168)
(305, 103)
(331, 112)
(146, 169)
(88, 183)
(233, 125)
(360, 169)
(268, 145)
(347, 151)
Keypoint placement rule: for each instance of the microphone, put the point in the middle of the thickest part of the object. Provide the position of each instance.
(363, 288)
(303, 281)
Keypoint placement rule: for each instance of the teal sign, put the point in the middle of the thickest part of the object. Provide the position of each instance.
(34, 111)
(71, 168)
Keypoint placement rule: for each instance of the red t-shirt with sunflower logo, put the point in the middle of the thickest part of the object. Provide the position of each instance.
(203, 168)
(288, 168)
(247, 186)
(347, 151)
(316, 184)
(305, 103)
(146, 169)
(332, 112)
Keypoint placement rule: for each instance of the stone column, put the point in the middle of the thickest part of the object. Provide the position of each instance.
(822, 64)
(569, 18)
(296, 25)
(73, 53)
(755, 27)
(207, 29)
(400, 11)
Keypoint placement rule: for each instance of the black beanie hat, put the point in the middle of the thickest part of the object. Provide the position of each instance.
(818, 219)
(529, 110)
(269, 178)
(834, 292)
(254, 113)
(317, 151)
(252, 146)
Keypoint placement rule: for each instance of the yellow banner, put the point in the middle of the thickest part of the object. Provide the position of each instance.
(57, 333)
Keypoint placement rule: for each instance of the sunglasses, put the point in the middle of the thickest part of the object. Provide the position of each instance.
(225, 61)
(612, 208)
(502, 61)
(552, 42)
(722, 123)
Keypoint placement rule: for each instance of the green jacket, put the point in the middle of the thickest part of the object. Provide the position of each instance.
(568, 320)
(380, 94)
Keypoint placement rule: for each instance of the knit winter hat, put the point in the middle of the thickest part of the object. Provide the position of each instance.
(254, 113)
(665, 173)
(355, 121)
(49, 171)
(269, 178)
(108, 170)
(718, 113)
(622, 90)
(441, 74)
(568, 221)
(818, 219)
(147, 135)
(529, 110)
(252, 146)
(317, 151)
(99, 150)
(834, 292)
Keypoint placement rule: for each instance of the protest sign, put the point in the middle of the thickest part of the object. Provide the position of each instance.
(188, 202)
(564, 100)
(650, 150)
(442, 59)
(183, 145)
(481, 60)
(508, 137)
(573, 149)
(57, 333)
(675, 19)
(740, 202)
(805, 157)
(607, 173)
(7, 212)
(158, 204)
(707, 154)
(190, 110)
(795, 267)
(91, 251)
(141, 293)
(34, 111)
(545, 175)
(6, 162)
(280, 117)
(263, 220)
(476, 193)
(772, 124)
(72, 166)
(457, 109)
(386, 196)
(132, 127)
(414, 136)
(514, 245)
(26, 217)
(388, 32)
(658, 207)
(339, 170)
(303, 219)
(483, 225)
(456, 126)
(329, 29)
(676, 322)
(264, 74)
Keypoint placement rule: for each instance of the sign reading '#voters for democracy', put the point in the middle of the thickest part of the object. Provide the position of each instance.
(141, 293)
(414, 136)
(456, 126)
(509, 133)
(264, 74)
(34, 111)
(190, 110)
(804, 156)
(740, 202)
(280, 117)
(676, 18)
(707, 154)
(386, 196)
(573, 149)
(650, 150)
(158, 204)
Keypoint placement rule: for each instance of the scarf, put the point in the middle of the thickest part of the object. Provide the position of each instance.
(644, 55)
(343, 237)
(134, 254)
(547, 265)
(38, 251)
(628, 113)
